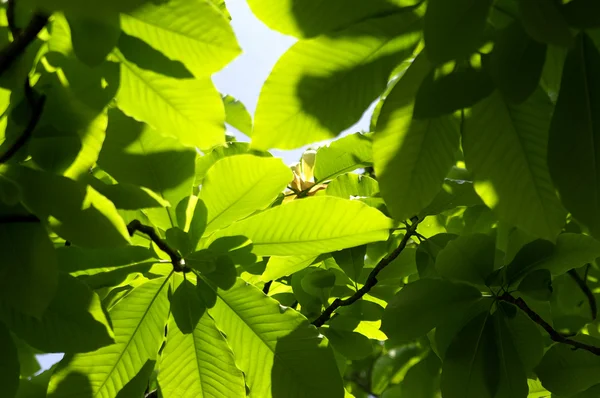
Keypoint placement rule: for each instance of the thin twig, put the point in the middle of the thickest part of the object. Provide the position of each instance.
(554, 335)
(371, 279)
(176, 259)
(37, 107)
(586, 290)
(14, 49)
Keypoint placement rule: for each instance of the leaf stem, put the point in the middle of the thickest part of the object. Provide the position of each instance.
(371, 279)
(554, 335)
(176, 259)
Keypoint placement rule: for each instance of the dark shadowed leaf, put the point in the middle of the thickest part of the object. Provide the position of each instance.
(469, 258)
(573, 147)
(454, 29)
(543, 21)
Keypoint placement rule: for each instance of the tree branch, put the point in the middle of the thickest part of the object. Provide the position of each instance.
(14, 49)
(554, 335)
(371, 279)
(37, 107)
(581, 282)
(10, 17)
(176, 259)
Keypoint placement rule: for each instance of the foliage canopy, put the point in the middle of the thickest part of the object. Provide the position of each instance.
(452, 251)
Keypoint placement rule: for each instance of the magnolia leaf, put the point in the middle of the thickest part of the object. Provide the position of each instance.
(311, 226)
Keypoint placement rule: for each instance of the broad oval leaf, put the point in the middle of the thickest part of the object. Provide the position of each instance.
(194, 32)
(197, 361)
(188, 109)
(412, 156)
(76, 212)
(295, 359)
(73, 322)
(566, 371)
(322, 86)
(454, 29)
(468, 258)
(237, 186)
(471, 367)
(575, 135)
(279, 266)
(138, 322)
(237, 116)
(543, 21)
(513, 378)
(517, 63)
(505, 149)
(94, 38)
(422, 305)
(136, 154)
(316, 17)
(582, 13)
(312, 225)
(343, 155)
(29, 272)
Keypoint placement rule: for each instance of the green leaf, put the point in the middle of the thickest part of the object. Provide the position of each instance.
(454, 29)
(238, 186)
(128, 196)
(73, 322)
(28, 362)
(188, 109)
(468, 258)
(505, 149)
(388, 366)
(28, 274)
(312, 225)
(9, 366)
(278, 266)
(354, 186)
(138, 322)
(544, 23)
(525, 334)
(136, 154)
(186, 306)
(204, 163)
(574, 135)
(516, 63)
(343, 155)
(179, 240)
(471, 367)
(454, 193)
(570, 251)
(423, 379)
(513, 379)
(316, 17)
(90, 8)
(236, 115)
(582, 13)
(566, 371)
(351, 345)
(422, 305)
(194, 32)
(537, 284)
(351, 261)
(321, 86)
(70, 208)
(199, 363)
(94, 37)
(427, 253)
(442, 93)
(412, 157)
(295, 360)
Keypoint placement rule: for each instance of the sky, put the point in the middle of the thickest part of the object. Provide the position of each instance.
(244, 77)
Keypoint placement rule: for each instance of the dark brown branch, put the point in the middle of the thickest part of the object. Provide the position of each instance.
(176, 260)
(581, 282)
(554, 335)
(37, 107)
(14, 49)
(371, 279)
